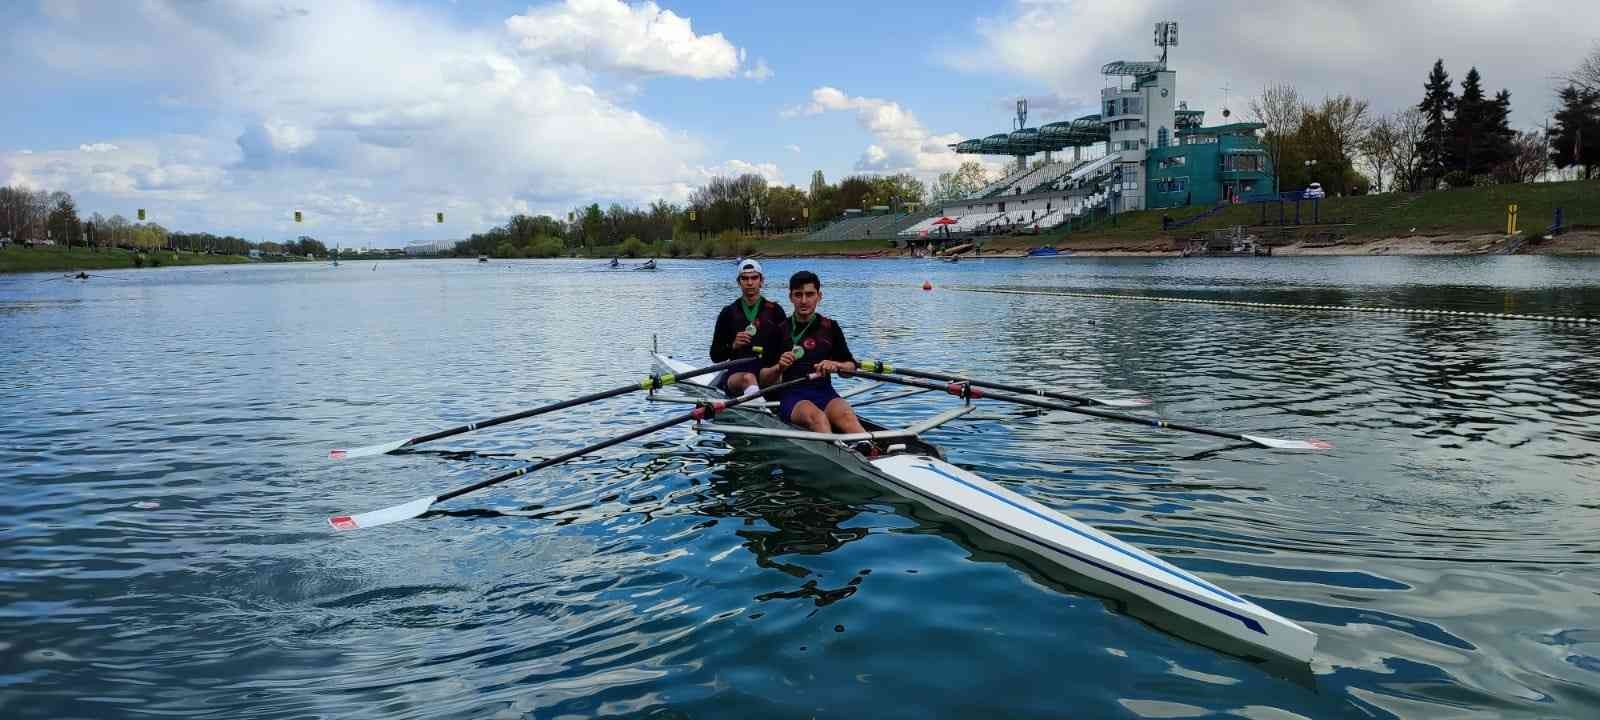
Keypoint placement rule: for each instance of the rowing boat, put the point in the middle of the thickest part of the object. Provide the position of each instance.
(918, 471)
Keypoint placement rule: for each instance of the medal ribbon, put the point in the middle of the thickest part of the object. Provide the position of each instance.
(794, 337)
(750, 311)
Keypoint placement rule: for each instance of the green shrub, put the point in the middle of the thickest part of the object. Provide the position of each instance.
(729, 242)
(546, 247)
(632, 247)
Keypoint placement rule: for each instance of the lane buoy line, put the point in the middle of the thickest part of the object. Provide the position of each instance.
(1285, 306)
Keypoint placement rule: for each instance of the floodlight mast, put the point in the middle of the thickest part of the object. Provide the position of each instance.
(1166, 36)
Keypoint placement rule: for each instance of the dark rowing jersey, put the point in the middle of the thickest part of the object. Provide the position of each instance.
(823, 339)
(732, 320)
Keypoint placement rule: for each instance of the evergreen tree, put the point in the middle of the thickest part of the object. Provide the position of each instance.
(1575, 140)
(1466, 127)
(1481, 139)
(1438, 102)
(1500, 141)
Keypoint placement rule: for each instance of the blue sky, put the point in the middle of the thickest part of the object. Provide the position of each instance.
(370, 115)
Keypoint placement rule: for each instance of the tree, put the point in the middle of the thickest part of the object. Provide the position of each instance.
(1586, 76)
(1410, 129)
(1438, 102)
(592, 223)
(784, 206)
(1575, 140)
(1377, 149)
(1528, 160)
(63, 219)
(1278, 108)
(1347, 121)
(1481, 135)
(967, 179)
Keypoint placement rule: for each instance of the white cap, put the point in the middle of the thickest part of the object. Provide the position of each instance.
(750, 266)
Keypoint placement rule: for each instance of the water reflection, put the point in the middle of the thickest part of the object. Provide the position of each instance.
(164, 550)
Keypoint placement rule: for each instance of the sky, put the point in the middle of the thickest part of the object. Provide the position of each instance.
(369, 116)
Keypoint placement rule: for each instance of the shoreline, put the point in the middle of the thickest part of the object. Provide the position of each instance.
(1581, 243)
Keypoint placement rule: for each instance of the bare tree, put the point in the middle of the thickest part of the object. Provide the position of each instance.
(1410, 127)
(1347, 118)
(1530, 159)
(1377, 147)
(1278, 108)
(1587, 74)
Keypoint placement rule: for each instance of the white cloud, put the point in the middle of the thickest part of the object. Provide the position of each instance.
(760, 72)
(1372, 49)
(99, 147)
(367, 115)
(612, 35)
(768, 171)
(901, 144)
(792, 148)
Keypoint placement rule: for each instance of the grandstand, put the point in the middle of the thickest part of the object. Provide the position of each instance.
(885, 226)
(1143, 149)
(1154, 152)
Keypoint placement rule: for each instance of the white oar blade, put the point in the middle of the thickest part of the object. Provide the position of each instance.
(1277, 444)
(367, 451)
(361, 521)
(1122, 402)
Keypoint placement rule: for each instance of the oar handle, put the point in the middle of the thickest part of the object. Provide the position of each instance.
(652, 382)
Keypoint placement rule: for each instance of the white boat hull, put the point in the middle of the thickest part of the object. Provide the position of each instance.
(1016, 520)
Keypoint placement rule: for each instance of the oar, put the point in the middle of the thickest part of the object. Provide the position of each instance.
(406, 511)
(880, 366)
(653, 382)
(960, 389)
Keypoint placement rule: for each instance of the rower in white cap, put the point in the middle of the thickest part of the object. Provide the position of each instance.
(750, 326)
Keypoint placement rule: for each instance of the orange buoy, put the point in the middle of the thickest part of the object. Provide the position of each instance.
(927, 285)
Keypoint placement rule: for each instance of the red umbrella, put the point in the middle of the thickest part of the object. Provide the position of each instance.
(946, 220)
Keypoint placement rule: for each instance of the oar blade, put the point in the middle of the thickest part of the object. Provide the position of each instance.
(368, 451)
(403, 511)
(1280, 444)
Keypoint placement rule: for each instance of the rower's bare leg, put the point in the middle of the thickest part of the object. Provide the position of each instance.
(842, 417)
(738, 382)
(807, 416)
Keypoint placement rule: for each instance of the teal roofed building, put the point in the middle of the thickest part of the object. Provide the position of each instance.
(1207, 165)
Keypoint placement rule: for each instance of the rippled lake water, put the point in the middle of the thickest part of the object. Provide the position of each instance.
(166, 553)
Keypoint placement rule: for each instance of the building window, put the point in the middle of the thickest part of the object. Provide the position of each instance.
(1174, 161)
(1163, 138)
(1243, 163)
(1111, 108)
(1172, 185)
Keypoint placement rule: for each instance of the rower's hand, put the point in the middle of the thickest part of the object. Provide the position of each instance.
(826, 367)
(785, 360)
(741, 340)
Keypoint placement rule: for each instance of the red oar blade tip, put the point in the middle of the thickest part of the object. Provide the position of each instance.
(367, 451)
(394, 514)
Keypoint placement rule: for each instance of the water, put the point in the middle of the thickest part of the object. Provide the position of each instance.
(165, 550)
